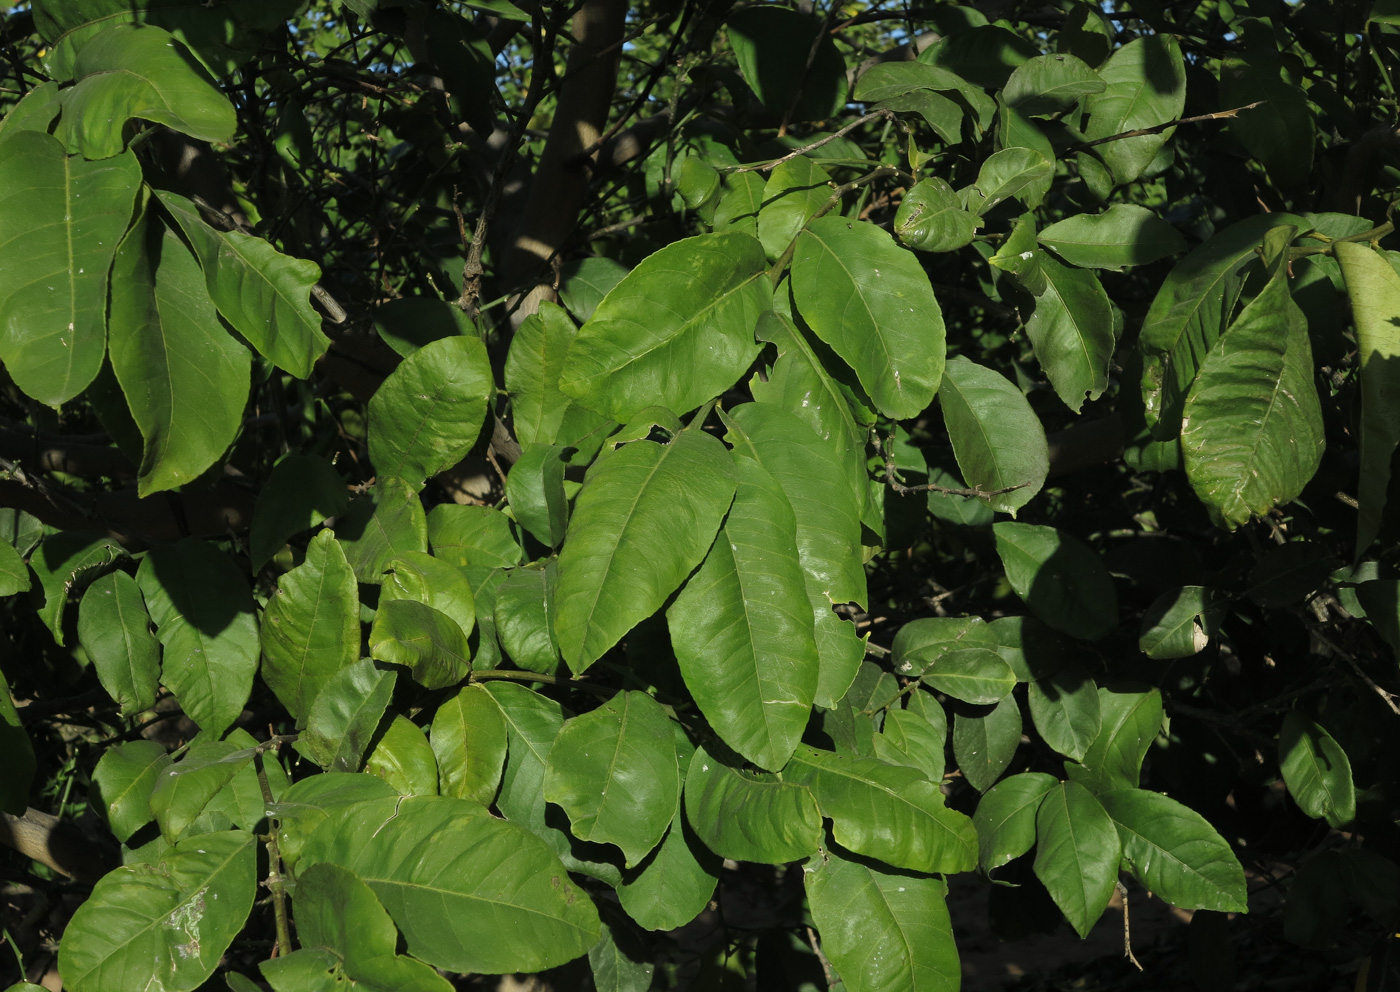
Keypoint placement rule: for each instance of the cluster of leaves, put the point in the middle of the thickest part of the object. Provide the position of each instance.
(782, 558)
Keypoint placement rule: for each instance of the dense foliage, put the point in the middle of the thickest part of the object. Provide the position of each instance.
(653, 492)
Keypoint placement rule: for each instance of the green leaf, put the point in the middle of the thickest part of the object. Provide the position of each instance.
(374, 531)
(174, 919)
(345, 714)
(1146, 81)
(1129, 720)
(469, 892)
(742, 626)
(1077, 853)
(1005, 817)
(410, 322)
(1041, 86)
(263, 294)
(1316, 770)
(15, 783)
(1373, 287)
(909, 737)
(739, 204)
(1071, 331)
(241, 802)
(797, 75)
(677, 331)
(624, 555)
(997, 438)
(426, 641)
(1190, 312)
(542, 413)
(420, 577)
(887, 81)
(881, 929)
(305, 805)
(582, 285)
(1181, 622)
(535, 490)
(888, 812)
(920, 643)
(427, 415)
(336, 913)
(871, 301)
(59, 563)
(1065, 710)
(473, 535)
(1281, 133)
(468, 736)
(673, 885)
(125, 777)
(972, 674)
(182, 790)
(35, 111)
(310, 627)
(985, 54)
(1005, 174)
(114, 630)
(1175, 853)
(795, 190)
(61, 219)
(931, 217)
(1064, 582)
(185, 379)
(524, 616)
(302, 492)
(204, 618)
(404, 759)
(985, 741)
(132, 70)
(750, 816)
(14, 573)
(1123, 236)
(619, 961)
(613, 771)
(1251, 429)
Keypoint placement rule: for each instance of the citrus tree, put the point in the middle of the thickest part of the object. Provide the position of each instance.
(655, 491)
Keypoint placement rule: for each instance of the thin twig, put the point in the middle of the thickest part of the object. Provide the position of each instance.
(903, 490)
(888, 115)
(274, 860)
(1159, 128)
(1389, 698)
(510, 675)
(1127, 934)
(817, 950)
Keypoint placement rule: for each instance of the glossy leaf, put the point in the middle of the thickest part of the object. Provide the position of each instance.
(114, 630)
(985, 741)
(613, 770)
(426, 641)
(428, 413)
(473, 535)
(1049, 83)
(1077, 853)
(1062, 581)
(920, 643)
(1005, 817)
(1316, 770)
(882, 930)
(490, 898)
(677, 331)
(1181, 622)
(1146, 86)
(524, 616)
(535, 489)
(871, 301)
(795, 190)
(674, 883)
(345, 714)
(888, 812)
(910, 738)
(542, 413)
(125, 777)
(174, 919)
(1124, 235)
(1065, 710)
(750, 816)
(185, 379)
(375, 531)
(931, 217)
(997, 438)
(742, 626)
(61, 219)
(182, 790)
(403, 758)
(1129, 719)
(625, 554)
(204, 618)
(972, 674)
(1072, 332)
(468, 736)
(1005, 174)
(1175, 853)
(302, 492)
(310, 626)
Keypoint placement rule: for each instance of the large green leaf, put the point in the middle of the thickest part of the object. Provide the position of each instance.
(889, 812)
(1077, 853)
(1124, 235)
(675, 332)
(931, 217)
(60, 562)
(124, 779)
(1374, 289)
(997, 438)
(674, 883)
(742, 627)
(1251, 430)
(422, 578)
(915, 737)
(1175, 853)
(542, 413)
(973, 674)
(132, 70)
(613, 771)
(1071, 331)
(61, 219)
(468, 737)
(524, 616)
(1005, 817)
(170, 921)
(310, 627)
(1146, 81)
(1041, 86)
(14, 574)
(427, 415)
(345, 714)
(535, 489)
(468, 891)
(1010, 172)
(182, 790)
(262, 293)
(871, 301)
(1129, 719)
(203, 613)
(1316, 770)
(427, 642)
(882, 930)
(473, 535)
(337, 913)
(1062, 580)
(114, 630)
(750, 816)
(185, 379)
(646, 516)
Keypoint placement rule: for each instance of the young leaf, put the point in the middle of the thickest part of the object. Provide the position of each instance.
(750, 816)
(1005, 817)
(468, 737)
(1077, 853)
(114, 630)
(1062, 581)
(997, 438)
(1316, 770)
(404, 760)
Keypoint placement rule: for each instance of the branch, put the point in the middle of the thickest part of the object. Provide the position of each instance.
(888, 115)
(1159, 128)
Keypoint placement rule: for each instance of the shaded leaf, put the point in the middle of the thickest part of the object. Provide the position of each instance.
(114, 630)
(1181, 622)
(796, 76)
(750, 816)
(125, 776)
(985, 740)
(997, 438)
(1316, 771)
(1065, 710)
(1064, 583)
(374, 531)
(1046, 84)
(302, 492)
(1146, 81)
(1129, 719)
(1005, 817)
